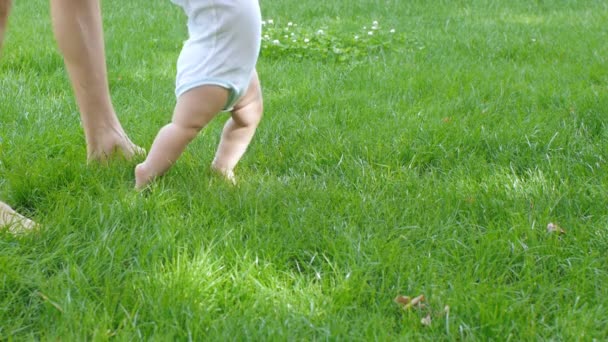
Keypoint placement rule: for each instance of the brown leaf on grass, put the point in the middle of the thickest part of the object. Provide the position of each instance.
(426, 321)
(403, 300)
(554, 228)
(407, 302)
(417, 300)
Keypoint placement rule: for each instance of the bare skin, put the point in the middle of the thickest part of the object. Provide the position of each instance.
(5, 8)
(78, 30)
(13, 221)
(9, 219)
(194, 110)
(239, 130)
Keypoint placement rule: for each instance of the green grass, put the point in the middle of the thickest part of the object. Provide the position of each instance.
(427, 163)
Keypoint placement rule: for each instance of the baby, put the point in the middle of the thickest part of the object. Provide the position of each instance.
(215, 73)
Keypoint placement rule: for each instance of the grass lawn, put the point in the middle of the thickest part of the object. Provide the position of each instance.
(428, 160)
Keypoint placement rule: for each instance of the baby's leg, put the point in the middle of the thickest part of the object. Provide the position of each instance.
(193, 111)
(239, 130)
(13, 221)
(78, 30)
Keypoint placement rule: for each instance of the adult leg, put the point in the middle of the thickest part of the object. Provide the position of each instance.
(8, 217)
(78, 30)
(239, 130)
(194, 109)
(5, 8)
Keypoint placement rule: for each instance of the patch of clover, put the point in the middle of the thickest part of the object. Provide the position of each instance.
(290, 40)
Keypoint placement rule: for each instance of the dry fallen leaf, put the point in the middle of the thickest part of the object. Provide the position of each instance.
(554, 228)
(407, 302)
(403, 300)
(416, 301)
(426, 321)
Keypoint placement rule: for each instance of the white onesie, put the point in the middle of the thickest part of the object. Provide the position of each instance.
(222, 48)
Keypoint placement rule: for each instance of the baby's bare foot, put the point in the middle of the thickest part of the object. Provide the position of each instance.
(225, 173)
(13, 221)
(143, 176)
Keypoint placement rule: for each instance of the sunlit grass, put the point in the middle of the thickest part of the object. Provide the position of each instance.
(428, 161)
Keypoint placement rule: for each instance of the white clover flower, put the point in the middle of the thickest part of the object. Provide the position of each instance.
(370, 33)
(375, 23)
(290, 24)
(306, 40)
(365, 27)
(276, 42)
(270, 21)
(320, 32)
(286, 36)
(392, 31)
(356, 37)
(292, 34)
(374, 27)
(263, 22)
(266, 36)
